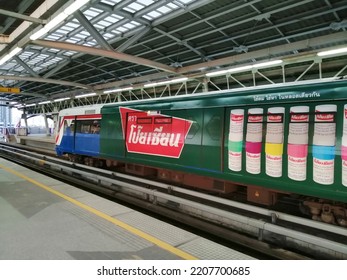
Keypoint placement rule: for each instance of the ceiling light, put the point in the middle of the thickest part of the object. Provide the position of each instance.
(268, 63)
(85, 95)
(59, 18)
(38, 34)
(118, 90)
(10, 55)
(49, 26)
(179, 80)
(75, 6)
(244, 68)
(217, 73)
(44, 102)
(61, 99)
(241, 68)
(333, 52)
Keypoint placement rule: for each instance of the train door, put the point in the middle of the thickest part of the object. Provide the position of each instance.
(87, 136)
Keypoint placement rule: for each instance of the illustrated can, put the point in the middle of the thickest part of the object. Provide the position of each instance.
(344, 148)
(325, 125)
(254, 135)
(324, 139)
(235, 139)
(274, 141)
(323, 164)
(298, 143)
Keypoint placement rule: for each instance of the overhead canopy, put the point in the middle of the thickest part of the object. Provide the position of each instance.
(120, 45)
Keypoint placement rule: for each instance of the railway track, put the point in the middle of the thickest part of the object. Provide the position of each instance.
(262, 232)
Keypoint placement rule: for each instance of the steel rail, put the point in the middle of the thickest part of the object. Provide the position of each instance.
(259, 228)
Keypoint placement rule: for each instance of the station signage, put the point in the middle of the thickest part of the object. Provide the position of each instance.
(9, 90)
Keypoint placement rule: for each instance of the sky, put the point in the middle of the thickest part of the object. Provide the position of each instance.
(34, 121)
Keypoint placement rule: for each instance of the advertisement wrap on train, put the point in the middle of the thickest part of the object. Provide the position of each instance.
(273, 141)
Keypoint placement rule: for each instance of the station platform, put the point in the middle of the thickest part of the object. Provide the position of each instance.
(41, 141)
(44, 219)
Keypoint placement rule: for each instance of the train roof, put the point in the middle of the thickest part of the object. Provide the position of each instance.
(237, 93)
(83, 110)
(232, 93)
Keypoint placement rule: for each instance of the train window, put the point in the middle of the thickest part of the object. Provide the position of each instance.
(95, 128)
(88, 127)
(69, 126)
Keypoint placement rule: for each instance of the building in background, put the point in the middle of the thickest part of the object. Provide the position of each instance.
(5, 114)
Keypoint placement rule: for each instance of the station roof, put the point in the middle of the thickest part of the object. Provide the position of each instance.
(62, 53)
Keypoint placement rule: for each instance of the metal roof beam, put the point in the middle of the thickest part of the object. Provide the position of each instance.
(42, 80)
(133, 39)
(91, 29)
(184, 43)
(22, 7)
(23, 17)
(56, 69)
(105, 53)
(26, 67)
(268, 52)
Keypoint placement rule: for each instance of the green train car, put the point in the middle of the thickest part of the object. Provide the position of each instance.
(270, 140)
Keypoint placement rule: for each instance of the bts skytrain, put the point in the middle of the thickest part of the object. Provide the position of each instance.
(271, 141)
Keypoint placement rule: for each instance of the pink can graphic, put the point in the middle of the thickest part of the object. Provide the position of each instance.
(298, 143)
(254, 135)
(344, 148)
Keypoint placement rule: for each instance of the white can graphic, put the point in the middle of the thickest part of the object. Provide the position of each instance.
(275, 125)
(235, 139)
(254, 135)
(324, 139)
(298, 143)
(325, 125)
(274, 141)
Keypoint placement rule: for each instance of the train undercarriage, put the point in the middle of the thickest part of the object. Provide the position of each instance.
(317, 209)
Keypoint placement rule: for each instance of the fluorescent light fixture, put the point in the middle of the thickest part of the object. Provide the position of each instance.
(231, 70)
(244, 68)
(61, 99)
(59, 18)
(179, 80)
(332, 52)
(11, 54)
(30, 105)
(241, 68)
(118, 90)
(38, 34)
(85, 95)
(55, 21)
(217, 73)
(268, 63)
(49, 26)
(44, 102)
(75, 6)
(15, 51)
